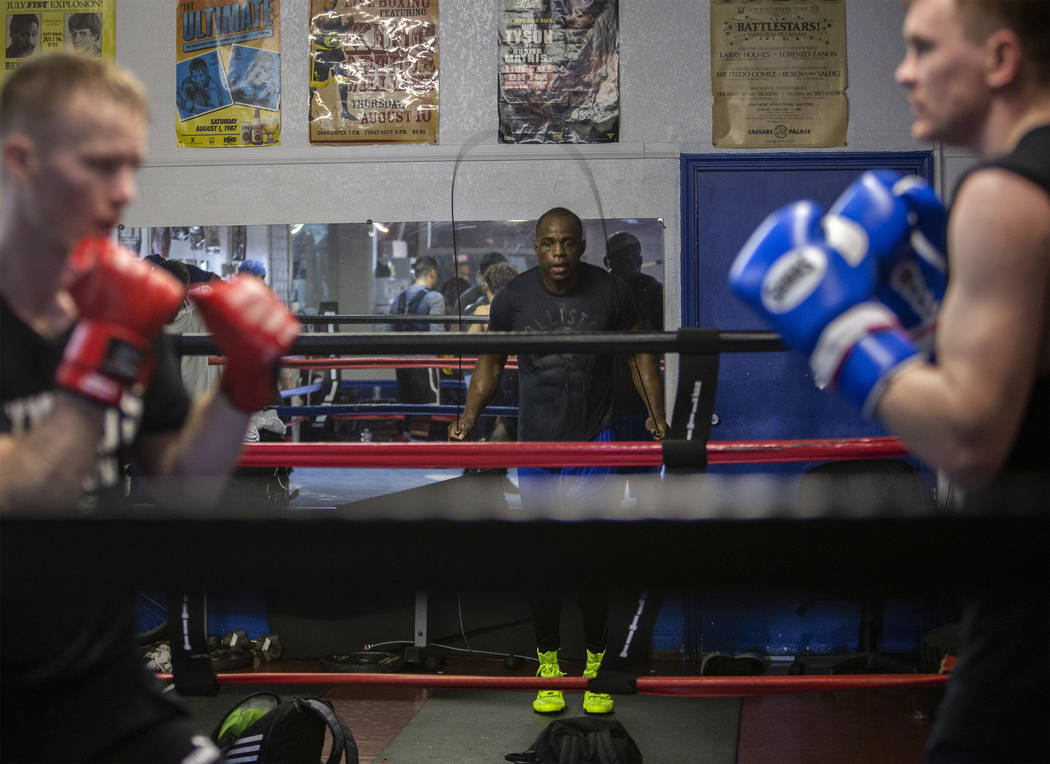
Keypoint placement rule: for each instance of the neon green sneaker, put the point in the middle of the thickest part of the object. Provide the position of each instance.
(549, 701)
(595, 702)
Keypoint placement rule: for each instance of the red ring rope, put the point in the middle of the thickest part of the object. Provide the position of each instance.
(685, 686)
(545, 454)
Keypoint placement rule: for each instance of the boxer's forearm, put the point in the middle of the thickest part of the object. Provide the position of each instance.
(484, 382)
(645, 374)
(943, 413)
(191, 466)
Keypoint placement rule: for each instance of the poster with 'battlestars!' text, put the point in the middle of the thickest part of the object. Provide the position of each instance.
(373, 71)
(48, 26)
(778, 73)
(228, 73)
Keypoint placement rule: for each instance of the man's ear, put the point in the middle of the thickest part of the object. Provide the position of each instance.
(18, 154)
(1003, 57)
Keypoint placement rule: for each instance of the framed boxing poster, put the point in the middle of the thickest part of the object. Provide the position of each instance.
(228, 73)
(778, 73)
(86, 26)
(373, 71)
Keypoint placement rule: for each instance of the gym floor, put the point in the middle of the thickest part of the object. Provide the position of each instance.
(851, 726)
(847, 727)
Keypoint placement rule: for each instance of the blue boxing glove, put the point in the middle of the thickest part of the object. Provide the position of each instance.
(916, 282)
(905, 224)
(819, 295)
(869, 220)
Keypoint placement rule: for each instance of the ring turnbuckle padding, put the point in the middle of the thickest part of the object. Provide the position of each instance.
(685, 454)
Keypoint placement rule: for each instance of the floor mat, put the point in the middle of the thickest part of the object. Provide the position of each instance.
(468, 726)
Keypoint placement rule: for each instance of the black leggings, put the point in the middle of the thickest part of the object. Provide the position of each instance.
(546, 614)
(997, 703)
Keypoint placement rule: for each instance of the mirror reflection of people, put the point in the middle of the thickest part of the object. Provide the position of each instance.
(24, 30)
(623, 258)
(85, 33)
(420, 298)
(476, 295)
(495, 278)
(198, 91)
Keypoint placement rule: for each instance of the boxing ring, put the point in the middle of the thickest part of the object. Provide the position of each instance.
(724, 529)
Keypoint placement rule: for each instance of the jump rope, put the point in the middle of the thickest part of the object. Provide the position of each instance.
(574, 154)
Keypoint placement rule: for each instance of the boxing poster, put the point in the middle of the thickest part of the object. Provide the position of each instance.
(778, 73)
(559, 71)
(228, 73)
(373, 71)
(35, 26)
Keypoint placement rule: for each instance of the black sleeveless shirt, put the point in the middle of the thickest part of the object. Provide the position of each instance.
(1029, 461)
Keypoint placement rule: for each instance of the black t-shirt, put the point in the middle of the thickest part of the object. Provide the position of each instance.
(63, 647)
(27, 382)
(649, 297)
(564, 396)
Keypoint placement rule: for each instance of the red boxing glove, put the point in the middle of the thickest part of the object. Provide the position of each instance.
(253, 330)
(122, 303)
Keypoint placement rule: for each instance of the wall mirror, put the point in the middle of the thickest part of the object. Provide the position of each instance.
(359, 268)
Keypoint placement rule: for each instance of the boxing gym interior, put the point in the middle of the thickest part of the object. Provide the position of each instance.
(785, 578)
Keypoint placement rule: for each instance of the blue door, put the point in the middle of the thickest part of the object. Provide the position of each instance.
(763, 396)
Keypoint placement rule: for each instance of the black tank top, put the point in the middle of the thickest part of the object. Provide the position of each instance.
(1030, 456)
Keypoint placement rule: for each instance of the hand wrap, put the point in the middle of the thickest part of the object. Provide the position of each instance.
(122, 304)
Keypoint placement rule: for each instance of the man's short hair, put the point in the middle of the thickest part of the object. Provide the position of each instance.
(487, 261)
(36, 91)
(1029, 20)
(176, 268)
(198, 63)
(20, 22)
(624, 251)
(253, 267)
(89, 21)
(498, 276)
(423, 265)
(560, 212)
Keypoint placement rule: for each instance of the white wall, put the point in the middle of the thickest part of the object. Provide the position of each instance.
(665, 110)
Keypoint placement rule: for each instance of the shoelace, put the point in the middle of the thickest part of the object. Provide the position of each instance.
(548, 671)
(592, 671)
